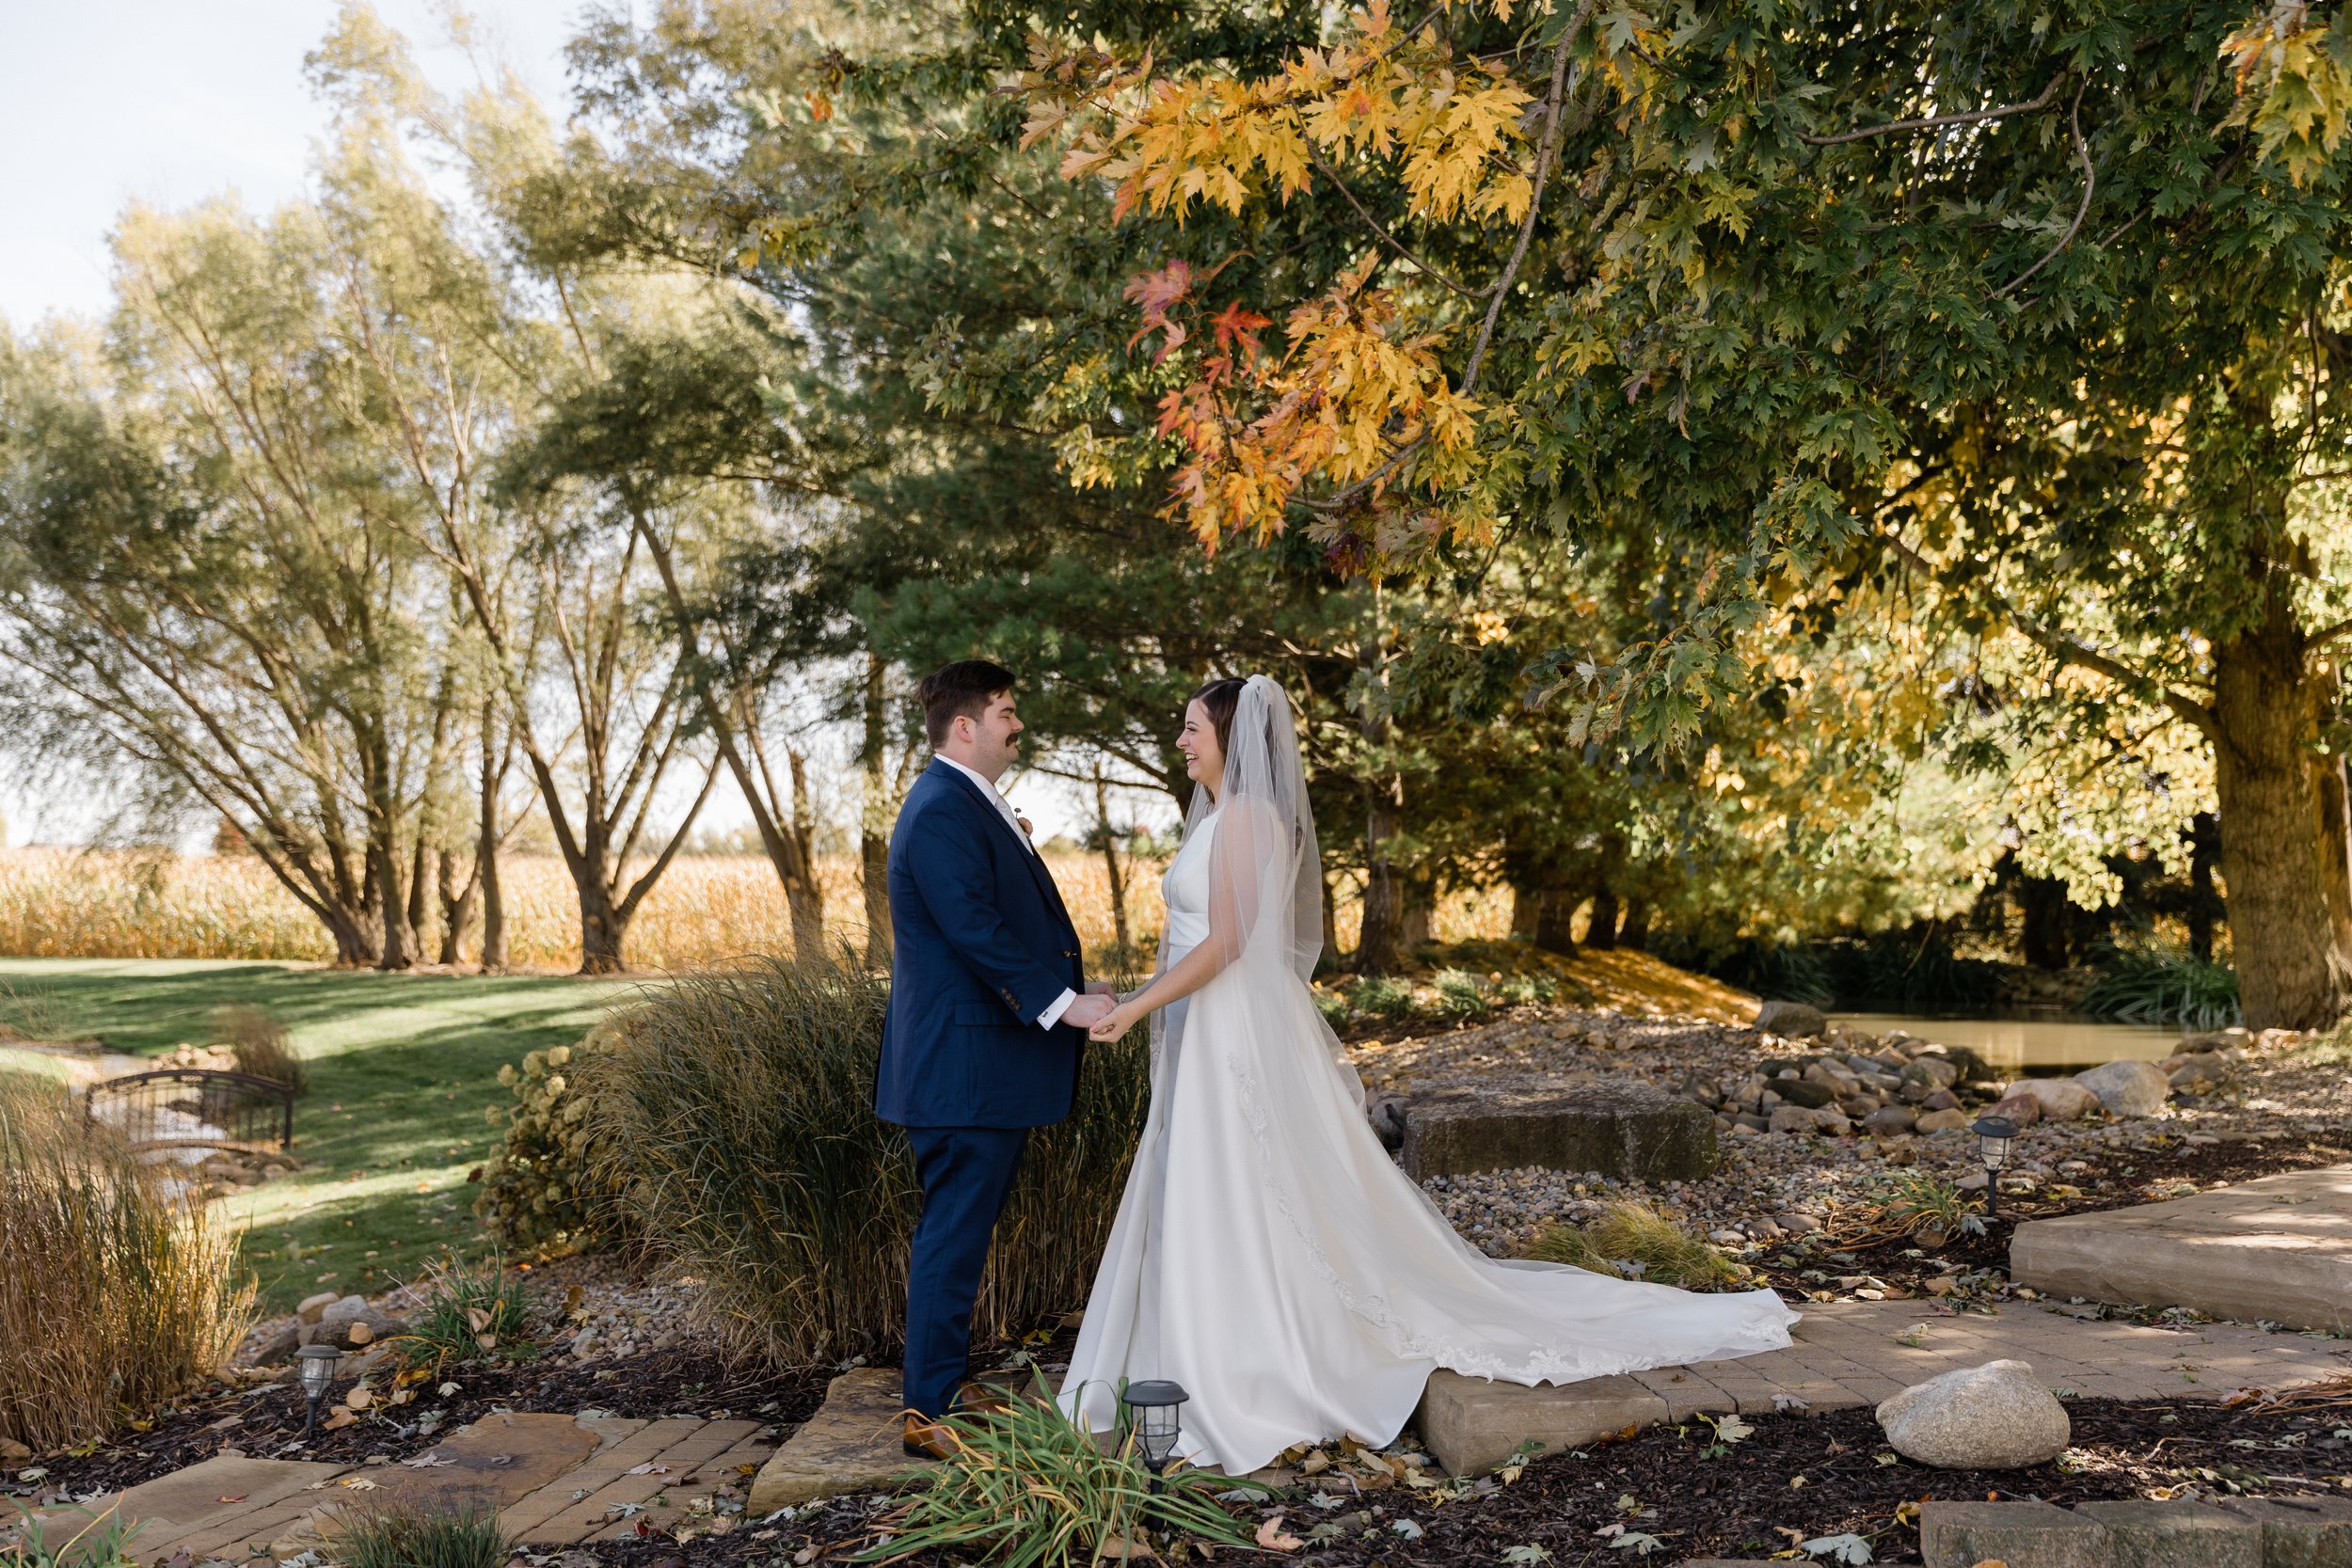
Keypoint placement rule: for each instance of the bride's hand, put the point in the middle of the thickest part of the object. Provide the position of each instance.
(1112, 1025)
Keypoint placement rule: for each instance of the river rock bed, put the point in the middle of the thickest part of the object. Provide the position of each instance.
(1804, 1207)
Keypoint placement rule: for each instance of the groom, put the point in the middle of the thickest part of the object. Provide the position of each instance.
(986, 1020)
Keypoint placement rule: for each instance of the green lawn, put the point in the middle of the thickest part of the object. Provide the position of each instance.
(403, 1067)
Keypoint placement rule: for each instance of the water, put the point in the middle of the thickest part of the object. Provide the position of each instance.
(2031, 1044)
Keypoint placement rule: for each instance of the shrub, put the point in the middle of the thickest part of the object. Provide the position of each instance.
(119, 1291)
(476, 1309)
(2155, 982)
(1636, 1241)
(1924, 1206)
(428, 1535)
(261, 1045)
(1514, 990)
(734, 1114)
(1459, 994)
(1333, 1006)
(1382, 997)
(1029, 1486)
(105, 1542)
(539, 1191)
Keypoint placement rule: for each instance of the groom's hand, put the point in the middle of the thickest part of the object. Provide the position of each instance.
(1090, 1010)
(1101, 988)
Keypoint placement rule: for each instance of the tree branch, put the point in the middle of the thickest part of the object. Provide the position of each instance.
(1374, 223)
(1934, 122)
(2091, 183)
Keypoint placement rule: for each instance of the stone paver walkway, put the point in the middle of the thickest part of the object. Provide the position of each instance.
(556, 1480)
(1849, 1353)
(2277, 1249)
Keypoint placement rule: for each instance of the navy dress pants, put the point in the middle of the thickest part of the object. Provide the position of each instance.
(966, 1173)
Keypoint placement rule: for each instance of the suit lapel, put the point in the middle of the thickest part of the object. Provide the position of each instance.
(1021, 847)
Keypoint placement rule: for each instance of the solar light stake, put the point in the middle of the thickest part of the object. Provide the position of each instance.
(1152, 1407)
(317, 1363)
(1994, 1136)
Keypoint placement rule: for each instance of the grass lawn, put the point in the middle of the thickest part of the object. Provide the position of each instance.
(403, 1067)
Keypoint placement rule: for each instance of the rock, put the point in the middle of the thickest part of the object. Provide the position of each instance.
(279, 1346)
(1793, 1119)
(1942, 1121)
(1791, 1021)
(2023, 1109)
(2203, 1071)
(1942, 1099)
(1796, 1223)
(1891, 1119)
(1804, 1092)
(1975, 1181)
(2062, 1099)
(312, 1307)
(1765, 1230)
(1997, 1417)
(1625, 1130)
(2128, 1089)
(584, 1342)
(1860, 1107)
(2217, 1039)
(1930, 1072)
(348, 1330)
(12, 1450)
(1973, 1067)
(1386, 1114)
(1751, 1122)
(849, 1445)
(1833, 1122)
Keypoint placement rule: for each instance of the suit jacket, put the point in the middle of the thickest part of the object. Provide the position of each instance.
(981, 945)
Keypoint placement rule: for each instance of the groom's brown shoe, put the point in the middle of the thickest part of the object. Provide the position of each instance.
(980, 1399)
(925, 1439)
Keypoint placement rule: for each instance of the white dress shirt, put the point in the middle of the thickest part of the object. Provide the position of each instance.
(1052, 1015)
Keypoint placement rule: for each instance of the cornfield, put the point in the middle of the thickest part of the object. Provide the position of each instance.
(77, 904)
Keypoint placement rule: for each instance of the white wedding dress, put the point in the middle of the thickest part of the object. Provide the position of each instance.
(1267, 1254)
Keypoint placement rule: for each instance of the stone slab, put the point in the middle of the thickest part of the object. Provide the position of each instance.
(2148, 1534)
(206, 1498)
(1623, 1130)
(696, 1466)
(852, 1442)
(500, 1459)
(2277, 1249)
(2020, 1535)
(2299, 1533)
(1471, 1425)
(578, 1505)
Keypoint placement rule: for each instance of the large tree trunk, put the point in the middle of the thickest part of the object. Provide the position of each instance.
(485, 850)
(1634, 933)
(1383, 923)
(1527, 904)
(2292, 971)
(873, 835)
(2335, 847)
(457, 905)
(399, 950)
(1111, 866)
(603, 928)
(2205, 902)
(1555, 918)
(1600, 932)
(2041, 907)
(1420, 920)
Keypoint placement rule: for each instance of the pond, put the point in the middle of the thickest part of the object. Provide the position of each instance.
(2030, 1044)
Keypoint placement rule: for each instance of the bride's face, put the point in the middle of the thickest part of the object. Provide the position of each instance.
(1204, 759)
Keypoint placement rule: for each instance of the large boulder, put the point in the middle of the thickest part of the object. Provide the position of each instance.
(1890, 1119)
(1791, 1021)
(2021, 1108)
(1802, 1091)
(1625, 1130)
(2062, 1099)
(1793, 1119)
(1997, 1417)
(1954, 1120)
(351, 1324)
(2128, 1089)
(2206, 1070)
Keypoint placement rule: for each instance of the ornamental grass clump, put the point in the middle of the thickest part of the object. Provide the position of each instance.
(102, 1541)
(732, 1115)
(475, 1311)
(261, 1045)
(1635, 1240)
(1027, 1486)
(432, 1534)
(121, 1291)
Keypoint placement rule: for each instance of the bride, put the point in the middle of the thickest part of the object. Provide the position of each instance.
(1267, 1254)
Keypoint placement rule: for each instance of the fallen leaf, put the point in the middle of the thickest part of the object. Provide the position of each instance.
(238, 1498)
(1271, 1536)
(358, 1483)
(476, 1319)
(357, 1332)
(338, 1418)
(360, 1399)
(650, 1469)
(427, 1460)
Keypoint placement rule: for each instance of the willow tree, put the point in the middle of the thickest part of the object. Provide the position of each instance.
(2039, 313)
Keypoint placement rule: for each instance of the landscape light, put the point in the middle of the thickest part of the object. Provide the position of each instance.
(1153, 1407)
(317, 1364)
(1994, 1136)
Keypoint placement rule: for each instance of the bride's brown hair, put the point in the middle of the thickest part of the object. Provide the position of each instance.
(1220, 698)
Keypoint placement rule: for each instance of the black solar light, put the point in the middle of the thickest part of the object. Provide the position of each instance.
(317, 1364)
(1994, 1136)
(1152, 1407)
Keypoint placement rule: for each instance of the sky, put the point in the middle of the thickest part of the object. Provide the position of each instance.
(172, 102)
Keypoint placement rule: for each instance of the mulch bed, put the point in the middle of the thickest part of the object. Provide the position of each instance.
(1792, 1479)
(265, 1422)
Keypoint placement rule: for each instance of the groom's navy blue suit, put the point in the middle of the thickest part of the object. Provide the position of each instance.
(981, 947)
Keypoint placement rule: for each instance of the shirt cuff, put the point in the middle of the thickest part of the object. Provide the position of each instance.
(1052, 1015)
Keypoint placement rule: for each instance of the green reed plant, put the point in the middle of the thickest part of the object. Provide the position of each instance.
(1926, 1207)
(1635, 1240)
(120, 1291)
(430, 1534)
(1460, 995)
(732, 1115)
(103, 1542)
(476, 1311)
(2152, 981)
(1383, 997)
(1030, 1488)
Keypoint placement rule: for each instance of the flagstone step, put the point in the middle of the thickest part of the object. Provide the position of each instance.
(853, 1441)
(2276, 1249)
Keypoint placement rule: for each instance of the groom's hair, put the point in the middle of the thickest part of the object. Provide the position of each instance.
(960, 690)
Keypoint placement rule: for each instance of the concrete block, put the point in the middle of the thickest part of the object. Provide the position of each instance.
(1623, 1130)
(2021, 1535)
(2150, 1535)
(1472, 1425)
(2277, 1249)
(2299, 1533)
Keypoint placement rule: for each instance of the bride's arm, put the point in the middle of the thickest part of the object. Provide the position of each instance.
(1245, 834)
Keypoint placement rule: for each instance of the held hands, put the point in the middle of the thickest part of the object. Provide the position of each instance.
(1116, 1022)
(1088, 1011)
